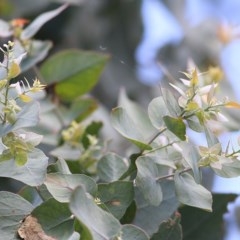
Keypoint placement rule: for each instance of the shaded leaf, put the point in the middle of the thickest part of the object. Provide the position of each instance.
(169, 230)
(30, 229)
(111, 167)
(13, 209)
(205, 225)
(61, 186)
(80, 109)
(176, 126)
(101, 224)
(131, 232)
(55, 219)
(37, 23)
(190, 193)
(116, 196)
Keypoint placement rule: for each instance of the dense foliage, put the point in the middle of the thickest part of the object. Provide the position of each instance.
(80, 190)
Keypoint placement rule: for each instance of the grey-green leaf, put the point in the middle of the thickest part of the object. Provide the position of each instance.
(149, 217)
(111, 167)
(116, 196)
(61, 185)
(129, 129)
(157, 110)
(55, 219)
(147, 173)
(27, 117)
(191, 193)
(13, 209)
(100, 223)
(131, 232)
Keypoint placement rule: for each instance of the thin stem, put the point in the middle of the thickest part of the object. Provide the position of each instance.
(172, 175)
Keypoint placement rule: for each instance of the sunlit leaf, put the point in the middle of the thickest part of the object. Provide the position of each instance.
(191, 193)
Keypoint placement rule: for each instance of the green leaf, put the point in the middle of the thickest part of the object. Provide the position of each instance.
(131, 232)
(148, 217)
(190, 193)
(111, 167)
(55, 219)
(116, 196)
(13, 209)
(198, 224)
(147, 173)
(37, 23)
(129, 128)
(73, 72)
(32, 173)
(61, 186)
(169, 230)
(27, 117)
(176, 126)
(101, 224)
(80, 109)
(156, 111)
